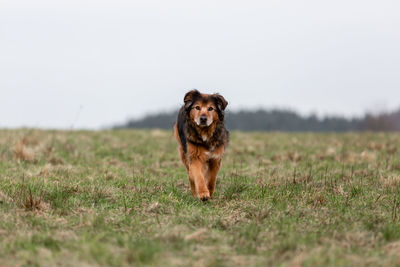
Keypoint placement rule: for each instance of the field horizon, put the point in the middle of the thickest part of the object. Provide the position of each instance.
(122, 198)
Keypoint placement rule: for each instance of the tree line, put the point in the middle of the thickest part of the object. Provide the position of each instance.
(280, 120)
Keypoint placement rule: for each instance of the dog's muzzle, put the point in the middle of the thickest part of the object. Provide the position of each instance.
(203, 120)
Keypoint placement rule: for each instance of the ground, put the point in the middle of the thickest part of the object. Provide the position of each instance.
(122, 198)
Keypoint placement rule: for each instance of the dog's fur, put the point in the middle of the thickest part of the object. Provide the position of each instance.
(202, 139)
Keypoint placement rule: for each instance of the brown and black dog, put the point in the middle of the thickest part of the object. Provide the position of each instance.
(202, 139)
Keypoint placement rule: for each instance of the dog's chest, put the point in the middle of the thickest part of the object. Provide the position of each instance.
(212, 155)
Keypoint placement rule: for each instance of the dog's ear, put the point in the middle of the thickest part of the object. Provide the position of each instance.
(221, 102)
(190, 97)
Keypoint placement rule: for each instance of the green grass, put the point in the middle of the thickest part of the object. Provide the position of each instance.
(120, 198)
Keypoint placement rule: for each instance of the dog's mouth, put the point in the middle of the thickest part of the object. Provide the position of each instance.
(203, 123)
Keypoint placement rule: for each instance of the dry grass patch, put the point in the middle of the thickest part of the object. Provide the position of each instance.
(22, 152)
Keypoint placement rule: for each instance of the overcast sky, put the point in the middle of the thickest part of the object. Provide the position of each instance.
(95, 63)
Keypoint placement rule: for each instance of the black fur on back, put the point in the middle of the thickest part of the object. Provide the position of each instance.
(182, 124)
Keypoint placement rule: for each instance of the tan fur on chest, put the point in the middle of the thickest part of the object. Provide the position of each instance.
(215, 153)
(203, 154)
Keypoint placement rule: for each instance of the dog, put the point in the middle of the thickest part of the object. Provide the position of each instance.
(202, 139)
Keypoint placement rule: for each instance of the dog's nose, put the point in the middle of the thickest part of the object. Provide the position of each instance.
(203, 119)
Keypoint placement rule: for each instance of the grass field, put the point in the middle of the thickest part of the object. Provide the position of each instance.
(122, 198)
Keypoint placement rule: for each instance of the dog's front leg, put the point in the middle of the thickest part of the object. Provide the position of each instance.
(196, 173)
(213, 169)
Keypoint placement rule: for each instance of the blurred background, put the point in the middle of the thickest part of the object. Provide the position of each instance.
(282, 65)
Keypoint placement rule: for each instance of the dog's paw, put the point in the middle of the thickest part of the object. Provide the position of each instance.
(204, 196)
(204, 199)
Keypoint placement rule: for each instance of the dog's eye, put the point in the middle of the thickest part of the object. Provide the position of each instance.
(197, 107)
(210, 109)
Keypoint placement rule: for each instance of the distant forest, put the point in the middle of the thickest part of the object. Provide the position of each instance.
(280, 120)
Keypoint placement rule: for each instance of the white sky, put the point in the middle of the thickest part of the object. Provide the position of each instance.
(96, 63)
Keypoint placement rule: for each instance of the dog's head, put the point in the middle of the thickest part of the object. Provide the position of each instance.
(204, 109)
